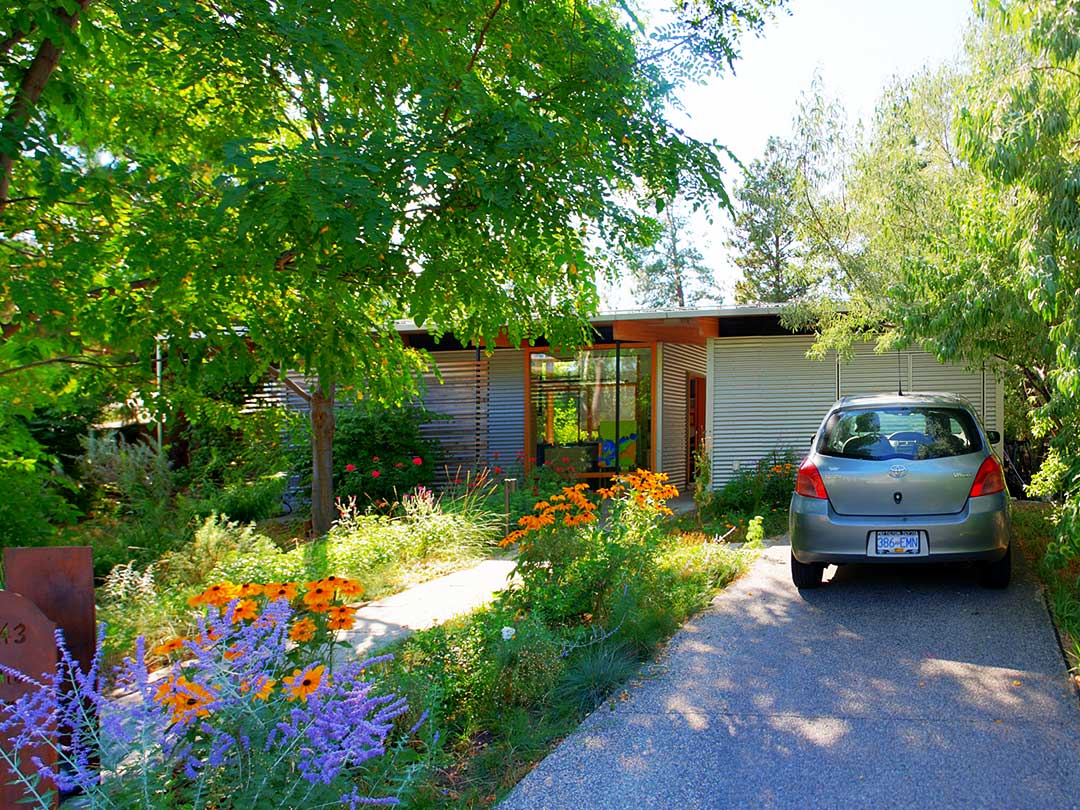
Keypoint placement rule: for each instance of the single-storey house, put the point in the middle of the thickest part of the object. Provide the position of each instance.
(656, 385)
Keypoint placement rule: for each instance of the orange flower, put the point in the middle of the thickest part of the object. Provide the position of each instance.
(263, 692)
(234, 652)
(347, 587)
(303, 683)
(341, 618)
(245, 610)
(250, 589)
(280, 590)
(302, 630)
(186, 699)
(218, 594)
(318, 593)
(169, 647)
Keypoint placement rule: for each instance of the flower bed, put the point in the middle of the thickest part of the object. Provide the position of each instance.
(254, 712)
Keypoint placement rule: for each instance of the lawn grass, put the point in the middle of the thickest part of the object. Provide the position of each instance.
(1033, 528)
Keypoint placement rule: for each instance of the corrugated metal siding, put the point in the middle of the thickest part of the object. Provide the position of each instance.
(869, 373)
(462, 397)
(765, 395)
(677, 361)
(506, 403)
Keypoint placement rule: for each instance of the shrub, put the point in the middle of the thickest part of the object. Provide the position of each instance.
(246, 501)
(380, 453)
(766, 485)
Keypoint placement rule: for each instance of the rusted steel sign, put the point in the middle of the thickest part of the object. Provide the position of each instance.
(27, 645)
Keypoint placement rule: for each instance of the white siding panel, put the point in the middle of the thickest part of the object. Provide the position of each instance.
(870, 373)
(679, 359)
(765, 395)
(506, 401)
(927, 374)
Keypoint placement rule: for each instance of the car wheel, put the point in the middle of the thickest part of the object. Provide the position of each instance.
(806, 575)
(997, 574)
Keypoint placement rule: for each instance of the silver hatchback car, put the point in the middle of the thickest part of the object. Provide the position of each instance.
(900, 478)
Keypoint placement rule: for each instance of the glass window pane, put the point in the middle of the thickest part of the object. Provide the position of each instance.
(592, 411)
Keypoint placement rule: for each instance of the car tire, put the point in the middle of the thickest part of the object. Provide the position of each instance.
(806, 575)
(998, 573)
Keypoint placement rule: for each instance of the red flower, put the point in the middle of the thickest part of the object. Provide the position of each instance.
(398, 465)
(374, 459)
(565, 459)
(350, 468)
(375, 473)
(417, 460)
(497, 471)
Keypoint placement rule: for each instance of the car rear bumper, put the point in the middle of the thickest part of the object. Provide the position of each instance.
(979, 532)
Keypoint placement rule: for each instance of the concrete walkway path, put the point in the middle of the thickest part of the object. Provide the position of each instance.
(426, 605)
(886, 688)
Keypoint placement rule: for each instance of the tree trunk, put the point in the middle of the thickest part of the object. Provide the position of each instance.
(322, 458)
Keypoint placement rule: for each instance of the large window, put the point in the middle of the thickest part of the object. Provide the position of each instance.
(592, 412)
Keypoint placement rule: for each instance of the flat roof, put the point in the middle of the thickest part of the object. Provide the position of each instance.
(611, 316)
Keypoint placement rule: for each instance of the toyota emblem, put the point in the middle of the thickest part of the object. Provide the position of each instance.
(897, 471)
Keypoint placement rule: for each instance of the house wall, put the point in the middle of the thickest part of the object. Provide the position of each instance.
(765, 395)
(674, 362)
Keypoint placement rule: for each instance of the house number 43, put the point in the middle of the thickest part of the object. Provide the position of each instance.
(12, 633)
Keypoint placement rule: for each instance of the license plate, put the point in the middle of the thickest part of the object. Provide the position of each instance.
(896, 542)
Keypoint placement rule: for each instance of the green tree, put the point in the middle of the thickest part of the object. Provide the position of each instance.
(271, 185)
(671, 272)
(765, 237)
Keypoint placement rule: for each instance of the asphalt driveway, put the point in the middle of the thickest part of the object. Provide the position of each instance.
(886, 688)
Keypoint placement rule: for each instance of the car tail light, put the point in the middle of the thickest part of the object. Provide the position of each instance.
(989, 480)
(809, 483)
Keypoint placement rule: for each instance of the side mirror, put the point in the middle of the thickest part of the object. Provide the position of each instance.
(993, 436)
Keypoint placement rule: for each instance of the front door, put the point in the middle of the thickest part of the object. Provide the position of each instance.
(695, 421)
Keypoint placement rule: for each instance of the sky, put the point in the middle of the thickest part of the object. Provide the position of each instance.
(858, 46)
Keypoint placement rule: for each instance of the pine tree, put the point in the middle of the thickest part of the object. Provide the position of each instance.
(671, 273)
(765, 239)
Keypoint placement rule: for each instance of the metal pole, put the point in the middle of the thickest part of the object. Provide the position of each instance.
(509, 487)
(157, 359)
(618, 389)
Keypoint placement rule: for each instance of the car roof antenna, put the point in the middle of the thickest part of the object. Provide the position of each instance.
(899, 376)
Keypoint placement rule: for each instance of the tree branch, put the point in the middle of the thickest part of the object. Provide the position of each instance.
(67, 361)
(291, 385)
(33, 82)
(456, 84)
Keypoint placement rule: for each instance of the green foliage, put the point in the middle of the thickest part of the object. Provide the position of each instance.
(768, 484)
(248, 501)
(244, 189)
(376, 453)
(670, 272)
(766, 238)
(592, 674)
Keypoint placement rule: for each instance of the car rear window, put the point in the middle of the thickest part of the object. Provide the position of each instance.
(899, 432)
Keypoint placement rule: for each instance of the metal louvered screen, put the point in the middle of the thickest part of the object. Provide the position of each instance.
(461, 400)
